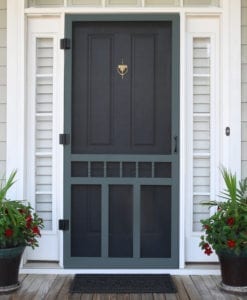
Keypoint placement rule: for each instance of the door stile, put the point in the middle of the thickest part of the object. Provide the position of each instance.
(175, 137)
(105, 220)
(136, 221)
(67, 148)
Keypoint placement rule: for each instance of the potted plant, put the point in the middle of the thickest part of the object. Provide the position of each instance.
(19, 227)
(226, 233)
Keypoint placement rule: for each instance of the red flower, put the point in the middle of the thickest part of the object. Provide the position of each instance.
(231, 243)
(230, 221)
(8, 232)
(31, 241)
(29, 220)
(207, 227)
(36, 230)
(208, 251)
(205, 246)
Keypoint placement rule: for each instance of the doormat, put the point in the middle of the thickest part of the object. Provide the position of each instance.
(123, 284)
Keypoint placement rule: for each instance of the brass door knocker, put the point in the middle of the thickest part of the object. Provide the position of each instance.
(122, 69)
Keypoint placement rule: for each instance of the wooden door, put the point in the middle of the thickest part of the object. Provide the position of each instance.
(121, 164)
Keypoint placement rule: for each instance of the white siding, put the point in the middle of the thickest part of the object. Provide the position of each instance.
(244, 88)
(3, 96)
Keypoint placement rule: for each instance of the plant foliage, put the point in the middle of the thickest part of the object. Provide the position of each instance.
(19, 224)
(226, 229)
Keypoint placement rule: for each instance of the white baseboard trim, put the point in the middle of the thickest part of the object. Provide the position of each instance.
(53, 268)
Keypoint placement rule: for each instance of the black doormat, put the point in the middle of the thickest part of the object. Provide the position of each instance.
(109, 284)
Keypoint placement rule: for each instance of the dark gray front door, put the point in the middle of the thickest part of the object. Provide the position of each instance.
(121, 166)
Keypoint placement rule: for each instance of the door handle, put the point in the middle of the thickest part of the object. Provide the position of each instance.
(175, 144)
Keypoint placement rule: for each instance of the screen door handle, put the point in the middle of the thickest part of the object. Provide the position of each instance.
(175, 144)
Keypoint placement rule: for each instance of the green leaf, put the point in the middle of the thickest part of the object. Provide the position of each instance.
(4, 189)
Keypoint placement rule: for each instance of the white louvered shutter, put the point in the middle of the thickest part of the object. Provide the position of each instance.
(44, 126)
(201, 128)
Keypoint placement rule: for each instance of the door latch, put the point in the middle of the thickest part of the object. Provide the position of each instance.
(175, 144)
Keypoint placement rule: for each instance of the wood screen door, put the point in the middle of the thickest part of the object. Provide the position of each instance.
(121, 161)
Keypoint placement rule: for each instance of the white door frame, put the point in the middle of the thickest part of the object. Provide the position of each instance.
(230, 91)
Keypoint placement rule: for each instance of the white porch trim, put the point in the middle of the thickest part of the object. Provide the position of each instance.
(49, 268)
(15, 154)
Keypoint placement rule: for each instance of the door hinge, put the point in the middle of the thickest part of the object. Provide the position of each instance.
(64, 139)
(64, 44)
(63, 224)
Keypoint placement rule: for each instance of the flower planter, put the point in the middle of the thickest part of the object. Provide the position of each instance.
(20, 225)
(9, 268)
(225, 232)
(234, 273)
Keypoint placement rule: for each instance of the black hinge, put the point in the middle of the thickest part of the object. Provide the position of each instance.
(63, 224)
(64, 139)
(64, 44)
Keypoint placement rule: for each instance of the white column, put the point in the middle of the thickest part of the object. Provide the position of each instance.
(15, 94)
(235, 86)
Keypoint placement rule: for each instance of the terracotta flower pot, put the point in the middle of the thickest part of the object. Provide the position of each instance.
(9, 268)
(234, 272)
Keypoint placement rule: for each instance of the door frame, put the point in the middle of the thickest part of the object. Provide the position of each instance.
(229, 14)
(172, 262)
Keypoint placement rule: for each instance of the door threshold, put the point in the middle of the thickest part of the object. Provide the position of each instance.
(47, 267)
(40, 264)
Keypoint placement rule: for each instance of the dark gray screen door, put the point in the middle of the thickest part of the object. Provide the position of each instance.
(121, 162)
